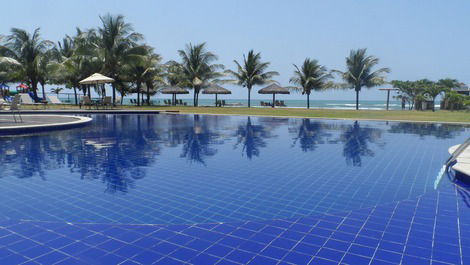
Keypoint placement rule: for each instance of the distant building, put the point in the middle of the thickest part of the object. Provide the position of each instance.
(462, 89)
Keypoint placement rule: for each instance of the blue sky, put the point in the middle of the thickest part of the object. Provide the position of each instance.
(416, 39)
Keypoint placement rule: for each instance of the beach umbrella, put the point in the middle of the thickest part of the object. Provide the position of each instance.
(216, 90)
(274, 89)
(388, 89)
(22, 86)
(96, 79)
(174, 90)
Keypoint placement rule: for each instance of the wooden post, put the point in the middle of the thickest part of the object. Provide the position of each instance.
(388, 97)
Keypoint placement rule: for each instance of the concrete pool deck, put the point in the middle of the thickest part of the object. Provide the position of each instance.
(39, 122)
(463, 160)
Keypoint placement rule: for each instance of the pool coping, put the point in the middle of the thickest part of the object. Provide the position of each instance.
(219, 114)
(78, 121)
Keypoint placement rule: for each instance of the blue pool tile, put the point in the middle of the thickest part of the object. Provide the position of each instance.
(240, 256)
(147, 257)
(218, 250)
(410, 260)
(12, 259)
(36, 251)
(184, 254)
(274, 252)
(297, 258)
(169, 261)
(165, 248)
(204, 259)
(260, 260)
(388, 256)
(330, 254)
(252, 246)
(355, 259)
(51, 258)
(362, 250)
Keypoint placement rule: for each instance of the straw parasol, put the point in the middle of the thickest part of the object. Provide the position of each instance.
(216, 89)
(174, 90)
(388, 89)
(274, 89)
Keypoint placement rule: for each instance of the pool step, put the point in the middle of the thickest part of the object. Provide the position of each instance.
(462, 158)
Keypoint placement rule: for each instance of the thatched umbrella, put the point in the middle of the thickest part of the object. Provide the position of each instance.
(216, 89)
(274, 89)
(174, 90)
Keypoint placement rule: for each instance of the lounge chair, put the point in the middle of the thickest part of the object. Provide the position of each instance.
(118, 100)
(86, 101)
(107, 101)
(3, 103)
(53, 99)
(26, 99)
(15, 108)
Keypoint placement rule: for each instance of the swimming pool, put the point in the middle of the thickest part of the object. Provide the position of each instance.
(187, 169)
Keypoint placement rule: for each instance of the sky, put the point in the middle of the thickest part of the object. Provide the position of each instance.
(416, 39)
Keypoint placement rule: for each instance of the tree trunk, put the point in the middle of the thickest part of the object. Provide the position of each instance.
(194, 98)
(34, 85)
(43, 92)
(357, 98)
(138, 93)
(114, 93)
(249, 96)
(308, 100)
(274, 99)
(75, 94)
(148, 95)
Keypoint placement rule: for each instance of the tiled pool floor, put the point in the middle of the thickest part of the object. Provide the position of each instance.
(184, 189)
(432, 229)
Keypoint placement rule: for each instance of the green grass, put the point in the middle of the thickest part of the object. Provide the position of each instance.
(406, 115)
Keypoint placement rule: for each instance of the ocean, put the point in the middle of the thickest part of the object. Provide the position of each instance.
(298, 103)
(291, 103)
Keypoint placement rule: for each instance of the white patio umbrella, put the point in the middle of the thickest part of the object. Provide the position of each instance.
(96, 79)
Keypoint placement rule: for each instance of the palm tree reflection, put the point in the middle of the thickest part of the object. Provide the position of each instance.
(252, 138)
(197, 140)
(309, 134)
(355, 143)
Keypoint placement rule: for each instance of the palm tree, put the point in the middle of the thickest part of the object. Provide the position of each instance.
(198, 68)
(118, 45)
(26, 50)
(143, 71)
(78, 58)
(311, 76)
(359, 72)
(253, 72)
(57, 90)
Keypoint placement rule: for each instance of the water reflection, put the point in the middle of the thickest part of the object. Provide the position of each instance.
(440, 131)
(356, 143)
(197, 140)
(118, 150)
(309, 134)
(251, 138)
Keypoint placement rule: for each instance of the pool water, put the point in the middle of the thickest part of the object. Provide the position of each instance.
(185, 169)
